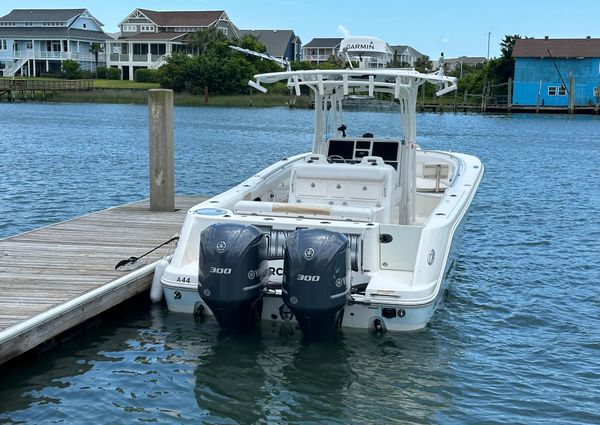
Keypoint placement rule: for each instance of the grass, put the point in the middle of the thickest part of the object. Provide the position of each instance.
(124, 84)
(125, 95)
(124, 91)
(103, 84)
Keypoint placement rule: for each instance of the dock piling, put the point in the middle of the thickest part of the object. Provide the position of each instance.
(161, 150)
(571, 94)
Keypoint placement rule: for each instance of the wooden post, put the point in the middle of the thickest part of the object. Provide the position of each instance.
(161, 156)
(483, 97)
(571, 94)
(509, 99)
(539, 93)
(455, 99)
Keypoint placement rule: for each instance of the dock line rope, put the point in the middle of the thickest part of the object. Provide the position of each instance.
(132, 260)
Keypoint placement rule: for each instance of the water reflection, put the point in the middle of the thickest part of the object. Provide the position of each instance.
(167, 367)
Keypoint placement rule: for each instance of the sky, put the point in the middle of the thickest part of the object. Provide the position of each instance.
(455, 27)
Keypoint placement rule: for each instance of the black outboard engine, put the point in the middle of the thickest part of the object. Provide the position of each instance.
(233, 269)
(316, 278)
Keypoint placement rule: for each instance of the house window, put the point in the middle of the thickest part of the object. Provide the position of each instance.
(562, 91)
(223, 30)
(551, 90)
(84, 26)
(140, 49)
(2, 44)
(129, 28)
(147, 28)
(30, 45)
(158, 49)
(53, 46)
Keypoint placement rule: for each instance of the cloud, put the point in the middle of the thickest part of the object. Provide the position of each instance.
(343, 30)
(445, 40)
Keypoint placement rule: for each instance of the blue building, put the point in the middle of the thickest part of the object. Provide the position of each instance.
(544, 68)
(36, 41)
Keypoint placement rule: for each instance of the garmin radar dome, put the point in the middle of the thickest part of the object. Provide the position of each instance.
(365, 50)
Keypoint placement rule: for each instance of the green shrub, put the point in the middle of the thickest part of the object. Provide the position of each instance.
(143, 75)
(84, 74)
(71, 69)
(113, 74)
(101, 72)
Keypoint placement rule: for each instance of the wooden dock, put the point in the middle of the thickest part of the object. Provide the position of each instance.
(57, 277)
(11, 87)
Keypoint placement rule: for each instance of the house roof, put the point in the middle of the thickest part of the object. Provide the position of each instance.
(183, 18)
(559, 48)
(324, 42)
(276, 41)
(403, 49)
(155, 36)
(466, 60)
(41, 15)
(52, 32)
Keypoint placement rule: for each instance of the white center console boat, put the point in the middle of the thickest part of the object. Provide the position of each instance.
(360, 232)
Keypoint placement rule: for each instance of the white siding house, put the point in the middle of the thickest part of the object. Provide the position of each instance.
(147, 37)
(34, 42)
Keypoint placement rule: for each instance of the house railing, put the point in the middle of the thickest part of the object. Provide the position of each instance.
(148, 58)
(320, 58)
(77, 56)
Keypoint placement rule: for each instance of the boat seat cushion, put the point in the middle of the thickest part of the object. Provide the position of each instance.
(369, 184)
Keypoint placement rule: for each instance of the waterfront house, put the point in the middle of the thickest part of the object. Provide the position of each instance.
(319, 50)
(34, 42)
(147, 37)
(548, 70)
(406, 55)
(457, 64)
(279, 43)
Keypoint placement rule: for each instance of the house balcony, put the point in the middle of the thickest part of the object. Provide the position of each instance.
(149, 60)
(317, 58)
(76, 56)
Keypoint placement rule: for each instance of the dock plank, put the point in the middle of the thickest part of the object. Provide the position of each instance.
(59, 264)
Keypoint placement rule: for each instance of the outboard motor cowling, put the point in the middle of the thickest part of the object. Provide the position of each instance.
(316, 274)
(233, 269)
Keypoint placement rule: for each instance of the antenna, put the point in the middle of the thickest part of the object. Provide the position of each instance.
(281, 62)
(557, 70)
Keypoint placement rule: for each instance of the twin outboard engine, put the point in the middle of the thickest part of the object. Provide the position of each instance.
(233, 269)
(316, 280)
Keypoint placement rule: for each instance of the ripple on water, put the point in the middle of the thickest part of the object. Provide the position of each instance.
(515, 341)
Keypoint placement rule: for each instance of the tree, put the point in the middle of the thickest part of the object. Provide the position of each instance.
(206, 39)
(173, 74)
(96, 49)
(71, 69)
(423, 64)
(251, 43)
(507, 44)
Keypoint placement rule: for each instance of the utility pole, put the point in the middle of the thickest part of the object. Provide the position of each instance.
(488, 53)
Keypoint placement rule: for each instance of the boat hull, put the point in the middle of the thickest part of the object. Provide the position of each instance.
(358, 316)
(405, 269)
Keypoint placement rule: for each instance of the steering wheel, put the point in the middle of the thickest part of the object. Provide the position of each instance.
(331, 158)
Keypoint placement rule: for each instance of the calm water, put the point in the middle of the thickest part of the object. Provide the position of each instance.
(517, 339)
